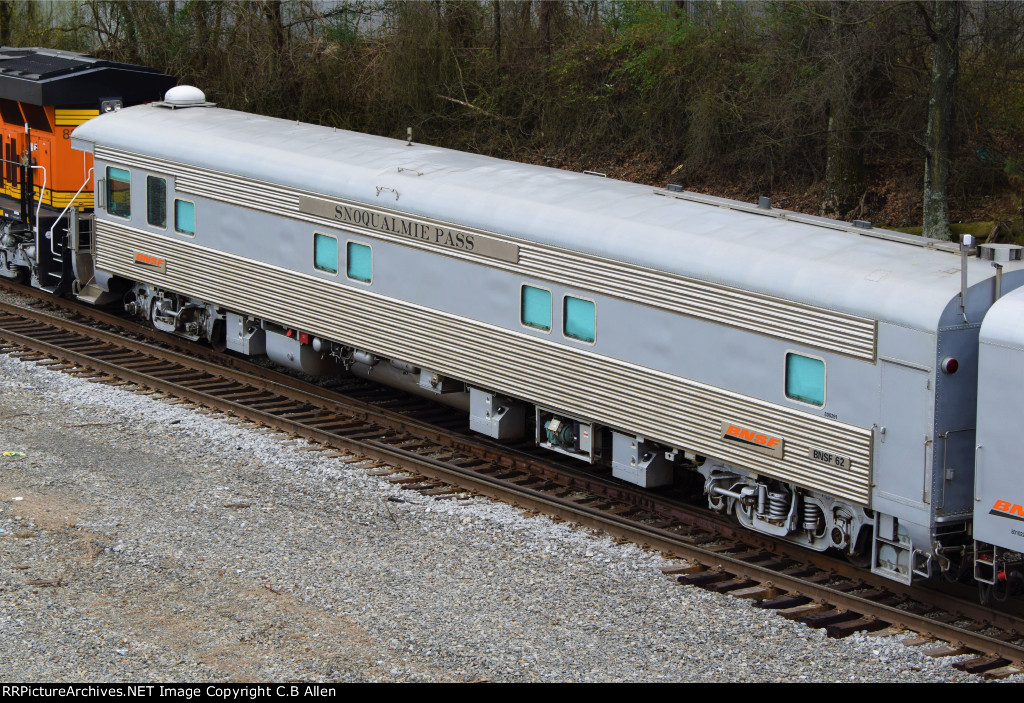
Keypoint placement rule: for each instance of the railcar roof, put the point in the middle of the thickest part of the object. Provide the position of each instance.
(875, 278)
(1004, 323)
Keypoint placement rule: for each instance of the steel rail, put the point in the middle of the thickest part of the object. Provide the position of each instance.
(494, 487)
(302, 391)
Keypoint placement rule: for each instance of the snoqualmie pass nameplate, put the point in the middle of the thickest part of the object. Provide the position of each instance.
(456, 240)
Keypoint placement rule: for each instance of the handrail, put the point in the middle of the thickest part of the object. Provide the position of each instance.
(88, 177)
(42, 190)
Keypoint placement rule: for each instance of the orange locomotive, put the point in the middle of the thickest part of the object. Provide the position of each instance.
(46, 188)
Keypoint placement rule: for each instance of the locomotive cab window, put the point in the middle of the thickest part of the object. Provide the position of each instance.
(325, 252)
(184, 217)
(156, 201)
(35, 116)
(10, 113)
(535, 308)
(119, 192)
(579, 319)
(360, 262)
(805, 379)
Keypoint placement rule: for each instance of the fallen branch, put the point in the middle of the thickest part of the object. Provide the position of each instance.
(471, 106)
(46, 582)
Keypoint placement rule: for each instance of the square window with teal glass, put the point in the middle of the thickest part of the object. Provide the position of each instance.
(325, 252)
(805, 379)
(536, 308)
(119, 192)
(184, 217)
(360, 262)
(580, 319)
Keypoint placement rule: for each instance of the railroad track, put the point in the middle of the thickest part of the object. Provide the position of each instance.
(416, 445)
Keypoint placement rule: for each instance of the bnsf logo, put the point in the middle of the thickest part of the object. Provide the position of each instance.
(1004, 508)
(148, 260)
(752, 437)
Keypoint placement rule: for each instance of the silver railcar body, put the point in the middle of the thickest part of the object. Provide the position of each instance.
(999, 493)
(699, 304)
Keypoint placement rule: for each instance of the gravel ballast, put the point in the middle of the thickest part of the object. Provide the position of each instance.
(143, 541)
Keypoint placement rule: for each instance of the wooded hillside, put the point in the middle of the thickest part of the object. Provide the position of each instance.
(824, 106)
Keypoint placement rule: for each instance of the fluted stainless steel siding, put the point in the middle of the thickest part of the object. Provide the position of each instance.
(615, 393)
(796, 322)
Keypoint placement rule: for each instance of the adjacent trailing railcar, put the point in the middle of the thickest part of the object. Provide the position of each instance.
(44, 95)
(999, 493)
(820, 377)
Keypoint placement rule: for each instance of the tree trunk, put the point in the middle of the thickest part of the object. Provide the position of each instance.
(945, 67)
(547, 13)
(272, 13)
(496, 7)
(844, 166)
(844, 161)
(526, 13)
(6, 17)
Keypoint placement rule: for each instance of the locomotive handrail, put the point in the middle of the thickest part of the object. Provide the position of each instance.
(42, 194)
(88, 177)
(42, 190)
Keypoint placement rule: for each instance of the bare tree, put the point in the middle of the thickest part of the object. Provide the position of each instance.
(496, 9)
(849, 60)
(944, 28)
(548, 8)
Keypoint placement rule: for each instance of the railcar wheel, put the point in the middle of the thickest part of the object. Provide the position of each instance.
(18, 274)
(861, 554)
(218, 336)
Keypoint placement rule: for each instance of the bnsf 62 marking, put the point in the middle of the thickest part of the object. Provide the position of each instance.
(831, 458)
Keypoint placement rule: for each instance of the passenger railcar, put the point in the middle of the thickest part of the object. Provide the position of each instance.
(999, 498)
(821, 376)
(824, 380)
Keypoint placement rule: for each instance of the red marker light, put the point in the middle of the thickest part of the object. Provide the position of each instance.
(303, 337)
(949, 365)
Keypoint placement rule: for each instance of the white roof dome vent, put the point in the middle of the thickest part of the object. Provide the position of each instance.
(185, 96)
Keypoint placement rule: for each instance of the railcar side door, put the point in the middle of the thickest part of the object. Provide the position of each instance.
(903, 443)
